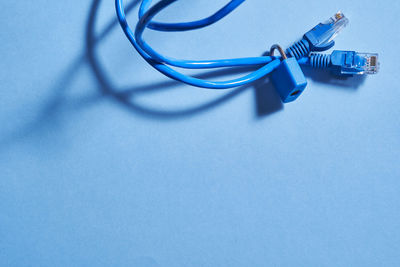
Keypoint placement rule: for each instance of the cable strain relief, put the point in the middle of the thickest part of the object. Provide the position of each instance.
(299, 49)
(320, 61)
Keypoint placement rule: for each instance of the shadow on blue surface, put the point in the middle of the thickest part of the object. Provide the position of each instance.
(269, 103)
(48, 120)
(266, 99)
(344, 82)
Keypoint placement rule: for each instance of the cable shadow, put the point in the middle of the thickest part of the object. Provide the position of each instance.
(266, 99)
(48, 117)
(343, 82)
(126, 96)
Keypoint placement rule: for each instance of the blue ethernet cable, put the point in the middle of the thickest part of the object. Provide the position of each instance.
(145, 20)
(345, 62)
(186, 26)
(318, 39)
(270, 63)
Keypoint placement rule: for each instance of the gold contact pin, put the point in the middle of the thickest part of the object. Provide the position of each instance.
(338, 15)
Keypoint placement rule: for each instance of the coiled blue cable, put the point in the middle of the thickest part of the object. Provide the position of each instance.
(160, 62)
(190, 64)
(186, 26)
(319, 38)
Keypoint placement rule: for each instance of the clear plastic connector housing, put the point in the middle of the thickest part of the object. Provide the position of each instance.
(336, 23)
(369, 62)
(320, 38)
(350, 62)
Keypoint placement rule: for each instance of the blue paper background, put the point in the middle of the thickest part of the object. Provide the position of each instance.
(164, 174)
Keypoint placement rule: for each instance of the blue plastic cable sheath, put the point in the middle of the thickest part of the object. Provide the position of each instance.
(304, 61)
(141, 26)
(169, 72)
(186, 26)
(190, 64)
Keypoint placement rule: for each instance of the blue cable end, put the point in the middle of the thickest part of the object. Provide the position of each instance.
(289, 80)
(354, 63)
(346, 62)
(320, 38)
